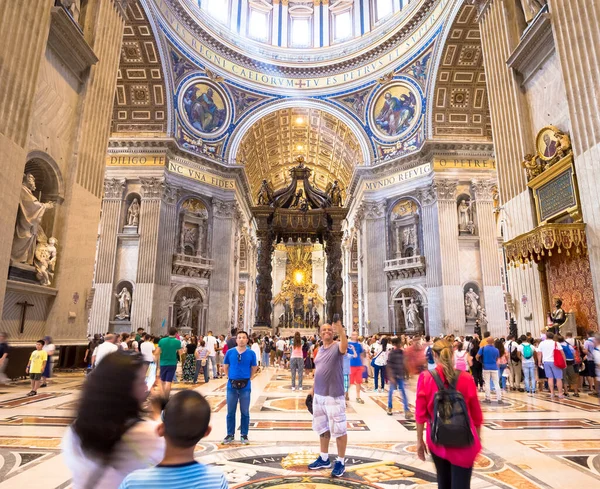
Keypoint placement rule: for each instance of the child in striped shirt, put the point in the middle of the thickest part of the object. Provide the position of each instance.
(185, 421)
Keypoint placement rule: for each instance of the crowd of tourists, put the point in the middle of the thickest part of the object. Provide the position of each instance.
(160, 431)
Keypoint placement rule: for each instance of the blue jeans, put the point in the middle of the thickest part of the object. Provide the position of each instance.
(213, 361)
(399, 384)
(529, 373)
(502, 380)
(198, 367)
(265, 359)
(378, 371)
(233, 397)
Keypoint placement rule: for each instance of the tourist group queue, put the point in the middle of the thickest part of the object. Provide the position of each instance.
(122, 437)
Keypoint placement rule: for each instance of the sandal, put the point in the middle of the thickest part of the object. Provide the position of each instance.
(360, 401)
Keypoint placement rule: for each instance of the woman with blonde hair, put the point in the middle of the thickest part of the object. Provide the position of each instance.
(453, 461)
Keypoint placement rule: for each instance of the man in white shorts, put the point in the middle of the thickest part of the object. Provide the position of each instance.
(211, 343)
(329, 401)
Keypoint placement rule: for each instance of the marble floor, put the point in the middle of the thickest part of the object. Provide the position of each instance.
(530, 442)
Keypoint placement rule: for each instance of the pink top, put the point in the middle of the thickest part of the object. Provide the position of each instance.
(426, 389)
(503, 360)
(297, 352)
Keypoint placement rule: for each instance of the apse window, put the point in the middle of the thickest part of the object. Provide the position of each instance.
(342, 26)
(217, 9)
(300, 32)
(383, 8)
(258, 25)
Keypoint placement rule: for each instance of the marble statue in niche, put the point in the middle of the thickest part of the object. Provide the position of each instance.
(471, 303)
(133, 213)
(409, 241)
(124, 304)
(465, 217)
(45, 261)
(28, 229)
(413, 320)
(189, 238)
(184, 314)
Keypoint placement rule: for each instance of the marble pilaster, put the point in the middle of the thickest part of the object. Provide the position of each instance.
(222, 280)
(106, 255)
(372, 247)
(490, 266)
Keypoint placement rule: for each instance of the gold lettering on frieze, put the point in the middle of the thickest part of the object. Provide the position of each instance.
(398, 178)
(135, 160)
(201, 176)
(463, 163)
(170, 22)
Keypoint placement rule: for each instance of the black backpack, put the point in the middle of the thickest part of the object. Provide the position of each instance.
(514, 353)
(450, 424)
(267, 346)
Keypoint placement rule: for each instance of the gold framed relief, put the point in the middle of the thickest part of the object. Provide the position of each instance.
(547, 144)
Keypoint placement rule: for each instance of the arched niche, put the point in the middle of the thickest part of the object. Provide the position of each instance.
(128, 221)
(188, 309)
(116, 313)
(49, 187)
(473, 298)
(193, 227)
(467, 214)
(404, 224)
(410, 310)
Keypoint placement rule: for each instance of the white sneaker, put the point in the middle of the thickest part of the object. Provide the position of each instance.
(293, 388)
(299, 388)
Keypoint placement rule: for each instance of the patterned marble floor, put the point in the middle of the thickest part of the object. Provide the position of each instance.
(530, 443)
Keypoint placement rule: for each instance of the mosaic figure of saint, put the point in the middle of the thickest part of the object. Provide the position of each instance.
(397, 113)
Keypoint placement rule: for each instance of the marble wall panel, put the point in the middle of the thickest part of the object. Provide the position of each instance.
(127, 260)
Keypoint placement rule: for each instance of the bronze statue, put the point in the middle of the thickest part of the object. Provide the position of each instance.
(334, 192)
(265, 194)
(558, 317)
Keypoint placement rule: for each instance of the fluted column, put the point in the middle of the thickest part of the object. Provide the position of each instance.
(431, 251)
(106, 256)
(222, 278)
(488, 249)
(453, 319)
(373, 251)
(513, 138)
(575, 27)
(143, 295)
(24, 30)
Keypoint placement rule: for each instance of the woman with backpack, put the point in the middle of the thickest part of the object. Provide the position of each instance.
(451, 395)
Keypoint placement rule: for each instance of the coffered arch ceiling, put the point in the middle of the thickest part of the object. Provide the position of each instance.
(270, 146)
(141, 97)
(460, 102)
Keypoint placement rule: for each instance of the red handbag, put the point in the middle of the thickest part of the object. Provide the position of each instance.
(559, 359)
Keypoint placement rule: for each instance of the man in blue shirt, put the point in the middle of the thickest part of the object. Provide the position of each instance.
(240, 366)
(357, 354)
(488, 356)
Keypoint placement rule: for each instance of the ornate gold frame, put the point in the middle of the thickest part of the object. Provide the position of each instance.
(551, 173)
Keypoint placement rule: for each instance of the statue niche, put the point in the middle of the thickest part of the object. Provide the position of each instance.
(33, 253)
(404, 223)
(409, 312)
(187, 305)
(466, 215)
(193, 228)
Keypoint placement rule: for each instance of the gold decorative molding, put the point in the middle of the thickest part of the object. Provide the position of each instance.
(535, 245)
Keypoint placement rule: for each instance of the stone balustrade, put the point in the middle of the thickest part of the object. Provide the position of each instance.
(406, 267)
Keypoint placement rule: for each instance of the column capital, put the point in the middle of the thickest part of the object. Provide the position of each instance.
(113, 188)
(226, 209)
(445, 189)
(427, 195)
(483, 190)
(152, 188)
(371, 210)
(481, 6)
(170, 194)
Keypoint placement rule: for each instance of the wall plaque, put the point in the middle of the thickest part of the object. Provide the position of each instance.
(555, 192)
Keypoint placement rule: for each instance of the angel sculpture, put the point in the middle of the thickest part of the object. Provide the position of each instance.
(532, 165)
(265, 194)
(564, 144)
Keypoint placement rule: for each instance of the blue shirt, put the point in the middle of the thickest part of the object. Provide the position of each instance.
(240, 364)
(358, 348)
(489, 357)
(191, 475)
(347, 364)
